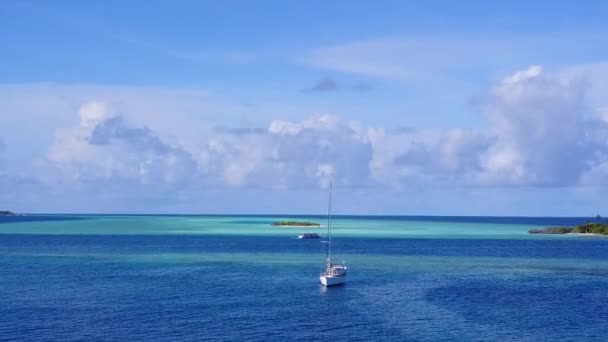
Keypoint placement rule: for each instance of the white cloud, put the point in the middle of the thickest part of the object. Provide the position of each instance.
(539, 132)
(411, 157)
(597, 76)
(180, 113)
(106, 146)
(532, 72)
(444, 55)
(537, 135)
(291, 154)
(385, 58)
(539, 125)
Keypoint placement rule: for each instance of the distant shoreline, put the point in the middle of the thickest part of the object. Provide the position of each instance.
(587, 234)
(587, 229)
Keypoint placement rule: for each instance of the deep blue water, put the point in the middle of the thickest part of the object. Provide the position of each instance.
(38, 218)
(265, 288)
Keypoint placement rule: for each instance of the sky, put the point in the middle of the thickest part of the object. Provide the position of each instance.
(407, 108)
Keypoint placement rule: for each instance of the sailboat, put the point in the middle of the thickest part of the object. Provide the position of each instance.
(334, 274)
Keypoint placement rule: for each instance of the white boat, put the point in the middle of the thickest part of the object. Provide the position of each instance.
(334, 274)
(309, 236)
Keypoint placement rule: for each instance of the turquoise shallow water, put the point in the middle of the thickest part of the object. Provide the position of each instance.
(233, 278)
(347, 226)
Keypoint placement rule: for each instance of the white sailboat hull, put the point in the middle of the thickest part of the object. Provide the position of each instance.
(332, 280)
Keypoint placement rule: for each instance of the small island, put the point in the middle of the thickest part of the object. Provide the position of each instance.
(594, 228)
(7, 213)
(295, 224)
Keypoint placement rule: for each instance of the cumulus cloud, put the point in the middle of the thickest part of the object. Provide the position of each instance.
(105, 145)
(539, 132)
(597, 138)
(539, 125)
(409, 157)
(290, 154)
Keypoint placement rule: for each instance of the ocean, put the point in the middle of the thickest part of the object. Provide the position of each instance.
(237, 278)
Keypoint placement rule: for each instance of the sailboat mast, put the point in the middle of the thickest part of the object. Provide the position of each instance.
(329, 228)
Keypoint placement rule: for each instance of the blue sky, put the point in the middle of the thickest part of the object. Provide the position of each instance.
(457, 108)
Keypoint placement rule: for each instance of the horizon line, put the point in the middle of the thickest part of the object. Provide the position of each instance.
(296, 214)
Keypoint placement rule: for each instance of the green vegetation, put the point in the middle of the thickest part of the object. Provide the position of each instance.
(587, 228)
(295, 224)
(6, 213)
(592, 227)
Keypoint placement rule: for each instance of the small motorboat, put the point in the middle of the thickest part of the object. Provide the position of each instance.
(309, 236)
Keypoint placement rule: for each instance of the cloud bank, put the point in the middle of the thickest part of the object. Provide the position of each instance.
(539, 133)
(105, 146)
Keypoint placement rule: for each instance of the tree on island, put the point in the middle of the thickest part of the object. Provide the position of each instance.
(589, 227)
